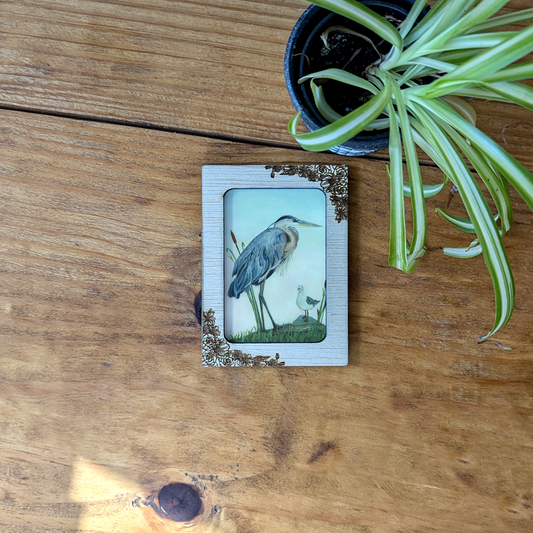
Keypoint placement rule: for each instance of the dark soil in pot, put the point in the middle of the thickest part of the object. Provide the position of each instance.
(307, 53)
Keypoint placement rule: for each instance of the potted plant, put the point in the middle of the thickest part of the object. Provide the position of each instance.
(424, 67)
(313, 46)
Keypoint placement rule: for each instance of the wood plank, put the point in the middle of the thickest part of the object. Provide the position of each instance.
(209, 67)
(214, 68)
(103, 398)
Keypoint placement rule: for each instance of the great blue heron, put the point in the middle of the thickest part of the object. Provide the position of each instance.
(304, 302)
(266, 254)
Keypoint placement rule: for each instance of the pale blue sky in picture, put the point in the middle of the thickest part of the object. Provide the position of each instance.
(248, 212)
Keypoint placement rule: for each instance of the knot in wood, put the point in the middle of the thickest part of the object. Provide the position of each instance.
(180, 502)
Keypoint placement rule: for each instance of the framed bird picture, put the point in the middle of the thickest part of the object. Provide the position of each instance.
(275, 261)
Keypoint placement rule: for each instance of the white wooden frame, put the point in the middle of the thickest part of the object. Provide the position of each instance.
(216, 350)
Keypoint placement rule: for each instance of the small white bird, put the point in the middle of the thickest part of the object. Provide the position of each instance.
(305, 303)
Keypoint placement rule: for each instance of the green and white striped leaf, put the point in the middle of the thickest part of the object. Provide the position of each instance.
(378, 124)
(462, 224)
(483, 10)
(431, 19)
(365, 16)
(455, 56)
(428, 190)
(496, 185)
(517, 93)
(445, 14)
(344, 77)
(477, 40)
(483, 64)
(469, 18)
(413, 14)
(480, 215)
(331, 115)
(463, 253)
(397, 239)
(344, 128)
(433, 64)
(520, 71)
(323, 107)
(421, 137)
(405, 73)
(416, 249)
(477, 92)
(461, 107)
(517, 175)
(503, 20)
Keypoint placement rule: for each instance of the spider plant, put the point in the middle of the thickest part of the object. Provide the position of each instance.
(456, 47)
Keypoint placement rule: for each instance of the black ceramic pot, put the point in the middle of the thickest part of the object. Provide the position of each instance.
(306, 32)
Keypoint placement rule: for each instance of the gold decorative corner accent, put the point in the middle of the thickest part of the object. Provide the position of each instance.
(332, 178)
(216, 350)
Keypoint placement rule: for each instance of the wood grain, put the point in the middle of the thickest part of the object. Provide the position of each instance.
(214, 68)
(103, 399)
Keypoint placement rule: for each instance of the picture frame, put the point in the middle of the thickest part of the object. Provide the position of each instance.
(274, 284)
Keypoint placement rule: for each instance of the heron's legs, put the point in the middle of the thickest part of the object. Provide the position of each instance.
(263, 301)
(262, 314)
(262, 317)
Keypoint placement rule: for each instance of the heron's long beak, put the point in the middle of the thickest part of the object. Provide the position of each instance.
(309, 224)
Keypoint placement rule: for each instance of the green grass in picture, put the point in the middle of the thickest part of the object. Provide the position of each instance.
(311, 332)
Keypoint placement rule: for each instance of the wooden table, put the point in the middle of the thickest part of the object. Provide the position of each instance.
(108, 110)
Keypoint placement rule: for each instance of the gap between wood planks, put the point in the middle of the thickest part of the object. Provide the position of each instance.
(181, 131)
